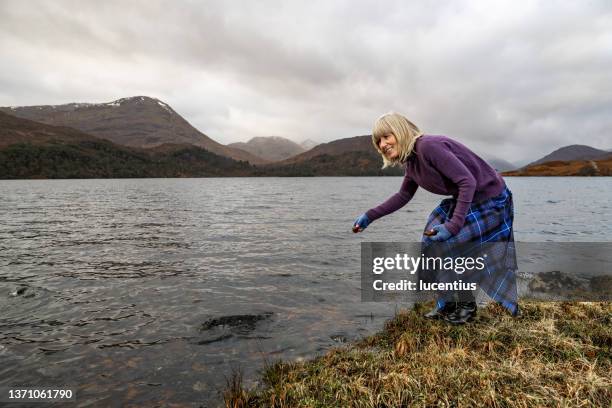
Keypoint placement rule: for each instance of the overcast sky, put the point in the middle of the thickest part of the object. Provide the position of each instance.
(510, 79)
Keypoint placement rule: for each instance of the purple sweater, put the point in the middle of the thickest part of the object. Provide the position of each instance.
(444, 166)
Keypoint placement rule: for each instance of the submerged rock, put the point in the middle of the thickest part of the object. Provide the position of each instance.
(225, 327)
(238, 322)
(554, 282)
(23, 291)
(556, 285)
(339, 337)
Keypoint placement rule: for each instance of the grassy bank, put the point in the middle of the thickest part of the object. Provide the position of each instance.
(556, 354)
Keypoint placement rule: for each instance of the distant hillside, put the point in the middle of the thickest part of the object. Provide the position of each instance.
(354, 163)
(136, 122)
(308, 144)
(15, 130)
(33, 150)
(271, 148)
(353, 156)
(572, 152)
(601, 167)
(337, 147)
(500, 164)
(30, 149)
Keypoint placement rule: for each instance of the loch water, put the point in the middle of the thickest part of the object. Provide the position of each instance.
(153, 291)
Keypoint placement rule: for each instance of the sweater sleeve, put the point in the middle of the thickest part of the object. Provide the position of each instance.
(449, 165)
(396, 201)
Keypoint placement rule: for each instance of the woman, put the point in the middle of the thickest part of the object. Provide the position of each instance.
(479, 214)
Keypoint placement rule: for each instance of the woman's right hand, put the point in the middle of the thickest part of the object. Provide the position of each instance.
(361, 223)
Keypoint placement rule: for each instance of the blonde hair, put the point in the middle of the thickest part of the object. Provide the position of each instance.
(406, 133)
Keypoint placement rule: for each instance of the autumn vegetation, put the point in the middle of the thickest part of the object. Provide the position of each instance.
(555, 354)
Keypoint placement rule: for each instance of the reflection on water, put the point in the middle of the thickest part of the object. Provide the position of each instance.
(152, 291)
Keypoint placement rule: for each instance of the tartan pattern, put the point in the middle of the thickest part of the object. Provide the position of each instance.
(487, 230)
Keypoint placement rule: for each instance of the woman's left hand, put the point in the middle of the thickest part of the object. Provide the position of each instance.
(442, 233)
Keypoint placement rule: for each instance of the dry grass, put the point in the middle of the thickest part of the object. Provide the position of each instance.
(556, 354)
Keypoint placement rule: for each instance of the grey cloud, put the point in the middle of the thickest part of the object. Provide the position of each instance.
(493, 75)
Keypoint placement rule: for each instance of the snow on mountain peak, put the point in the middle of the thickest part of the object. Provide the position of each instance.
(114, 104)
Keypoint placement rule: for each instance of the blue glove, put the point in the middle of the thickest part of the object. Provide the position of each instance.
(361, 223)
(442, 233)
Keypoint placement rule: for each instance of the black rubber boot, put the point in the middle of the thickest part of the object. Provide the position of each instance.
(441, 313)
(464, 313)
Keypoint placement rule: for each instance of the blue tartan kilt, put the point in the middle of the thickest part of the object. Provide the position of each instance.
(487, 231)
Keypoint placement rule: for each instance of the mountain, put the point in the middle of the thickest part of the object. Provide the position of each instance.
(308, 144)
(572, 152)
(601, 167)
(34, 150)
(30, 149)
(271, 148)
(353, 163)
(14, 130)
(335, 148)
(353, 156)
(500, 164)
(138, 121)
